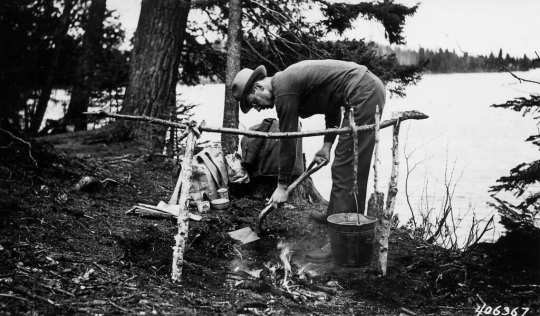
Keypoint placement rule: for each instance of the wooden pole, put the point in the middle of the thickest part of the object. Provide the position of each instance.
(376, 149)
(376, 200)
(354, 128)
(354, 190)
(408, 115)
(390, 202)
(183, 218)
(392, 187)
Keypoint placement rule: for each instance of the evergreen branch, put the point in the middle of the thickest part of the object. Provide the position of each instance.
(531, 105)
(520, 178)
(391, 15)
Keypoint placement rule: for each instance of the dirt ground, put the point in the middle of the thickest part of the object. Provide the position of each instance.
(65, 251)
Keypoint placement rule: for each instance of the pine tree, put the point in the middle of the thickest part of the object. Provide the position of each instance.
(500, 56)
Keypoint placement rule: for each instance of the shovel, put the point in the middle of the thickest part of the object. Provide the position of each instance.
(310, 170)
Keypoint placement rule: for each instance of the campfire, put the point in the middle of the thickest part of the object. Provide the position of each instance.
(283, 277)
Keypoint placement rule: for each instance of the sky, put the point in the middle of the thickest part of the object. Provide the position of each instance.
(477, 27)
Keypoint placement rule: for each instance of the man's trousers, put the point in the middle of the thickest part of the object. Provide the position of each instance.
(369, 93)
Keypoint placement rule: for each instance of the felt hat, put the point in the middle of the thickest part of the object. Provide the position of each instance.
(242, 85)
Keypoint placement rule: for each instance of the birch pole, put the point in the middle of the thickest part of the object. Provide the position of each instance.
(354, 190)
(407, 115)
(390, 202)
(183, 219)
(376, 200)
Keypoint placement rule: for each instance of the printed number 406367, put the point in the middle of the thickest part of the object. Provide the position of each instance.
(500, 311)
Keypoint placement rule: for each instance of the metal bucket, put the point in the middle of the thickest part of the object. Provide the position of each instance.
(352, 244)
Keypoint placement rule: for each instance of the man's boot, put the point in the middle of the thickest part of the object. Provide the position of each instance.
(320, 255)
(319, 217)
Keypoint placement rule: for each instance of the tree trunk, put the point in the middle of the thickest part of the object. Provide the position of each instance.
(45, 94)
(91, 45)
(153, 72)
(229, 143)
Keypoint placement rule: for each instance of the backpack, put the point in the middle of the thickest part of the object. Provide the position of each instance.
(209, 174)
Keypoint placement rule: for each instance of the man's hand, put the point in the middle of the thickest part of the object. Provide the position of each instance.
(280, 196)
(323, 153)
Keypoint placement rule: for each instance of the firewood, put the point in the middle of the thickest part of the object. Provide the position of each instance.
(316, 287)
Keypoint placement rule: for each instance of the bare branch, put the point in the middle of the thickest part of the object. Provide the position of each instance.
(202, 2)
(261, 56)
(507, 70)
(22, 141)
(407, 115)
(284, 41)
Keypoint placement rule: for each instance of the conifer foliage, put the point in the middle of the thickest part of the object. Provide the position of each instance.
(40, 45)
(279, 33)
(522, 178)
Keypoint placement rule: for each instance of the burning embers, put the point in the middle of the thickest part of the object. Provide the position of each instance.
(284, 278)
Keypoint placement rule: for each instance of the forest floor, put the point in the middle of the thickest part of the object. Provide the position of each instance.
(70, 252)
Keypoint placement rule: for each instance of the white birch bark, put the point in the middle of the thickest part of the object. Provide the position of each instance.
(183, 218)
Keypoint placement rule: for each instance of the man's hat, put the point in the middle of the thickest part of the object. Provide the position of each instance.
(242, 85)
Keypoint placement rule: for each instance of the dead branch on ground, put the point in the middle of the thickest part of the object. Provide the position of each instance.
(22, 141)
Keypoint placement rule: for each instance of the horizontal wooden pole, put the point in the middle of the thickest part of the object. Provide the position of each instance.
(402, 116)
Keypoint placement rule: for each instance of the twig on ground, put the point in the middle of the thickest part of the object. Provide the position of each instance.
(99, 267)
(56, 289)
(25, 292)
(481, 300)
(316, 287)
(403, 309)
(203, 269)
(22, 141)
(120, 308)
(13, 296)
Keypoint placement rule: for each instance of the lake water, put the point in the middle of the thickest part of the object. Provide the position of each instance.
(463, 134)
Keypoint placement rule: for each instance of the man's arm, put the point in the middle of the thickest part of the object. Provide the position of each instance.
(287, 110)
(323, 153)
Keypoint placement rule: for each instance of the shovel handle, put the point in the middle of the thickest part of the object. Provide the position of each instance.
(174, 196)
(268, 209)
(309, 171)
